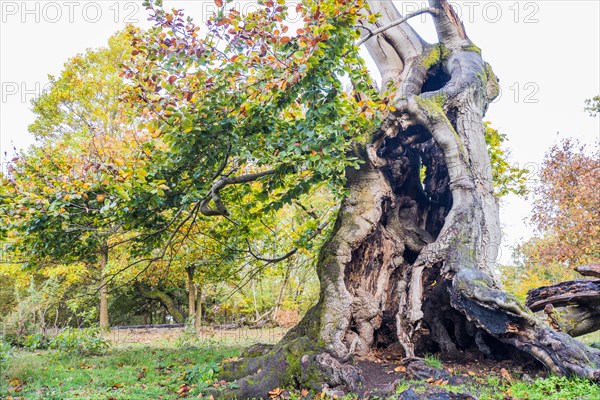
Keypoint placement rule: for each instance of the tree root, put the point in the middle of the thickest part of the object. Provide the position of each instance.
(300, 363)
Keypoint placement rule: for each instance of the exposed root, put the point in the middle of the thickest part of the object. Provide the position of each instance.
(298, 364)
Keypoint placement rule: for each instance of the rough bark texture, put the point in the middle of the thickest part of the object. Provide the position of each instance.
(412, 262)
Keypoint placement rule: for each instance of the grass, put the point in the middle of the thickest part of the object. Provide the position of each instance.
(591, 339)
(493, 388)
(159, 370)
(433, 361)
(126, 372)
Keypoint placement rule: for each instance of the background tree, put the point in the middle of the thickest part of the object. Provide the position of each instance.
(566, 208)
(62, 190)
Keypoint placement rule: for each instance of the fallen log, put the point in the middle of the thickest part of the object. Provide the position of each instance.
(589, 270)
(569, 293)
(572, 307)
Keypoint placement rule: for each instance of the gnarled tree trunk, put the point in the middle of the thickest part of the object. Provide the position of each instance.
(411, 261)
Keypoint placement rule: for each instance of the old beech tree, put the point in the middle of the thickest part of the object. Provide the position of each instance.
(410, 261)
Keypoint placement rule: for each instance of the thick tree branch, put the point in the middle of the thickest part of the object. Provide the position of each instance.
(449, 27)
(394, 45)
(215, 195)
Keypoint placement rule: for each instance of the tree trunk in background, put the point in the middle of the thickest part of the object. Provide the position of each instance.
(199, 299)
(167, 301)
(282, 289)
(104, 324)
(191, 290)
(410, 263)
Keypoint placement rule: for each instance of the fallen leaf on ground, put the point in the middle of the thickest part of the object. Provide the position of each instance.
(506, 375)
(183, 390)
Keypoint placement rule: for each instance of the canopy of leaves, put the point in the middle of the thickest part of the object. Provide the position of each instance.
(507, 178)
(59, 194)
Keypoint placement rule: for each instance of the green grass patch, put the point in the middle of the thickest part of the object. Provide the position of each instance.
(126, 372)
(433, 361)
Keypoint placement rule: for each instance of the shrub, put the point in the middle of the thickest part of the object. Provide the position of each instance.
(5, 353)
(36, 341)
(87, 342)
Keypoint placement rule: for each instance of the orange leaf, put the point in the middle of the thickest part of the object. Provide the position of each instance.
(219, 3)
(400, 368)
(506, 375)
(285, 39)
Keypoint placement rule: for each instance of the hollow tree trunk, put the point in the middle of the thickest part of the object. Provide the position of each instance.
(104, 324)
(412, 262)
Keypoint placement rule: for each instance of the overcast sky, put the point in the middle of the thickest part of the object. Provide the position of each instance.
(546, 54)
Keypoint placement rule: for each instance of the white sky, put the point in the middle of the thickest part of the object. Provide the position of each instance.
(546, 54)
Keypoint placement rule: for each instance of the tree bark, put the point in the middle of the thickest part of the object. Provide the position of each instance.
(411, 262)
(104, 324)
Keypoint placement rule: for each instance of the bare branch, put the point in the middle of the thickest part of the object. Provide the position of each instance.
(293, 250)
(393, 24)
(402, 37)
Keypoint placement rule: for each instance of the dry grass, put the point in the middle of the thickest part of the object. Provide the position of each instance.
(231, 337)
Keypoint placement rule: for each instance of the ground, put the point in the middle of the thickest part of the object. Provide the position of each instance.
(170, 364)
